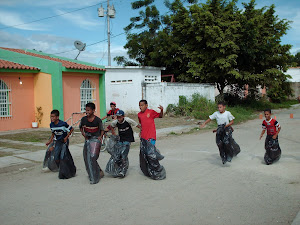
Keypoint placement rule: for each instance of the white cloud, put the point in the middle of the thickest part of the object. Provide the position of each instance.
(60, 3)
(82, 20)
(52, 44)
(14, 19)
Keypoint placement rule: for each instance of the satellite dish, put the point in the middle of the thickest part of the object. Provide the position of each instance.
(80, 46)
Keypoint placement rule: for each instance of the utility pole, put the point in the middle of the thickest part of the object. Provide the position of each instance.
(110, 13)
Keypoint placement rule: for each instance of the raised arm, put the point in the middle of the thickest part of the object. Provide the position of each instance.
(161, 114)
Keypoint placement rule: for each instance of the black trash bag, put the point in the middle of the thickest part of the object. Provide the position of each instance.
(118, 163)
(49, 160)
(159, 155)
(91, 151)
(273, 150)
(149, 162)
(67, 168)
(227, 146)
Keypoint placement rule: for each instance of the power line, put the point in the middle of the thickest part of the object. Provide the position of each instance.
(50, 17)
(94, 43)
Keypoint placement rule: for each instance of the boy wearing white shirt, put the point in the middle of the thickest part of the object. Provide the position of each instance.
(226, 144)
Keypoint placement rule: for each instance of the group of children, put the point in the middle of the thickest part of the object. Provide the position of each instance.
(58, 157)
(228, 148)
(92, 130)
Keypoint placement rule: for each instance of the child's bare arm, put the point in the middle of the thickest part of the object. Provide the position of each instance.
(104, 117)
(50, 140)
(66, 138)
(275, 135)
(262, 134)
(82, 132)
(161, 114)
(206, 122)
(230, 123)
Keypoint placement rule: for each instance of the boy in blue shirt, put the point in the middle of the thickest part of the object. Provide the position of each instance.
(61, 132)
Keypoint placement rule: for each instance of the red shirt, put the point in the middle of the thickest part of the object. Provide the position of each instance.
(146, 119)
(271, 126)
(111, 113)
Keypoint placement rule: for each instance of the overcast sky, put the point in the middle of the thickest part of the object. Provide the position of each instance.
(57, 34)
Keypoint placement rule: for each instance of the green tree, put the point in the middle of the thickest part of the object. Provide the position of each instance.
(210, 34)
(262, 58)
(152, 44)
(212, 42)
(295, 60)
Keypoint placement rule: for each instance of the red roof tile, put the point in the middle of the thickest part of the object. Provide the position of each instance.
(65, 63)
(11, 65)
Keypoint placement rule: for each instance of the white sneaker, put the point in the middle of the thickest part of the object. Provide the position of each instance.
(45, 169)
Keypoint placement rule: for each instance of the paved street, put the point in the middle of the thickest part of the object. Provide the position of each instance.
(198, 188)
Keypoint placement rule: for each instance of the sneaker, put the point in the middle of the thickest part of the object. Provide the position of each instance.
(121, 175)
(45, 169)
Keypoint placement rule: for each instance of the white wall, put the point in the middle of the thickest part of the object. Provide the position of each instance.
(295, 73)
(128, 85)
(168, 93)
(124, 85)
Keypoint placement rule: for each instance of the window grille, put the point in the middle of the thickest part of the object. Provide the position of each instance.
(86, 94)
(5, 104)
(121, 82)
(150, 79)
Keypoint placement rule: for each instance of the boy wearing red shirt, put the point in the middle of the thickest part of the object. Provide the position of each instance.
(149, 155)
(146, 118)
(273, 151)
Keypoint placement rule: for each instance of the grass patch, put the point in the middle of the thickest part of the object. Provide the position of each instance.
(2, 154)
(200, 108)
(30, 136)
(32, 148)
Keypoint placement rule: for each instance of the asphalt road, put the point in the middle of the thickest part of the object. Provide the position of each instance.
(198, 188)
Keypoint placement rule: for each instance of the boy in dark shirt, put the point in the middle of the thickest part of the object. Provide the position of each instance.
(118, 163)
(92, 130)
(273, 151)
(60, 145)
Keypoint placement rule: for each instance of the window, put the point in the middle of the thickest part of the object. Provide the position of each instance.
(86, 94)
(151, 79)
(121, 81)
(5, 104)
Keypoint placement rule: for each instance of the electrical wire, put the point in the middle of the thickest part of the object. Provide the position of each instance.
(50, 17)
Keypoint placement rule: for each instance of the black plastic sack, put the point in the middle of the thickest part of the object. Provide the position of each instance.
(149, 161)
(49, 158)
(118, 163)
(67, 167)
(273, 151)
(91, 151)
(227, 146)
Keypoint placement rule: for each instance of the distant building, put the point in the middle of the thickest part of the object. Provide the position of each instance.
(128, 85)
(31, 79)
(294, 72)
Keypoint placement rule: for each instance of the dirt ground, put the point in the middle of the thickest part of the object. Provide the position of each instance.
(198, 188)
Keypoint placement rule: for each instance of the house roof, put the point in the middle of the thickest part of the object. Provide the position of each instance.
(67, 64)
(4, 64)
